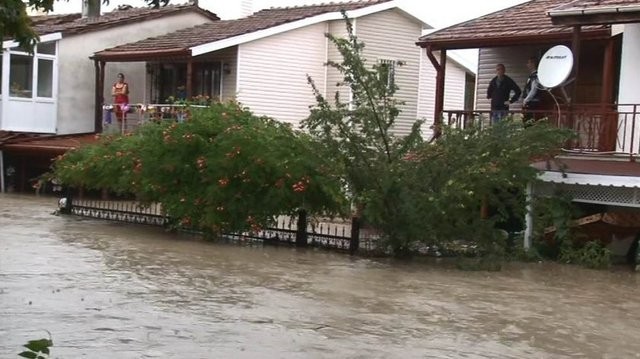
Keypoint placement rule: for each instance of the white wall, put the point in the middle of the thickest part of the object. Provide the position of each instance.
(454, 90)
(272, 73)
(514, 59)
(629, 86)
(391, 35)
(338, 29)
(77, 74)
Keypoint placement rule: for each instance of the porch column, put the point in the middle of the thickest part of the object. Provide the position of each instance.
(608, 72)
(189, 88)
(99, 94)
(528, 230)
(440, 81)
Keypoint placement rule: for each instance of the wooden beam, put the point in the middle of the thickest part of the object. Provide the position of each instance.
(439, 105)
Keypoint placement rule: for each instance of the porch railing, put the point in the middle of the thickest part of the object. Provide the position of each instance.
(123, 119)
(599, 128)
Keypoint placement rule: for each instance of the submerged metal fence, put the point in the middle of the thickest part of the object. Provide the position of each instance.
(297, 230)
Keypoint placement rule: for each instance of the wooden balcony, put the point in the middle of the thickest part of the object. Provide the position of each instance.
(601, 129)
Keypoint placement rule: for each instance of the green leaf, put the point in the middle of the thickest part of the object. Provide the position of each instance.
(38, 345)
(30, 355)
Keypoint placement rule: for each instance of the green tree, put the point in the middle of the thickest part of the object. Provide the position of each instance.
(420, 193)
(15, 23)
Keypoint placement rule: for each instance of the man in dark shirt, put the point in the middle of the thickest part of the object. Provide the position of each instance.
(499, 91)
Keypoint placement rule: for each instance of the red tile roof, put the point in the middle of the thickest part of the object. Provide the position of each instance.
(180, 41)
(75, 24)
(524, 23)
(45, 144)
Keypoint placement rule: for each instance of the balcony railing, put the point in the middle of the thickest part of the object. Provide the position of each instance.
(123, 119)
(600, 129)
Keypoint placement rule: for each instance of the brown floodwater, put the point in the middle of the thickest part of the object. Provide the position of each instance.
(109, 290)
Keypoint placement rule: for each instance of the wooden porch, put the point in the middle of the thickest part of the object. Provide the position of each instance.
(601, 129)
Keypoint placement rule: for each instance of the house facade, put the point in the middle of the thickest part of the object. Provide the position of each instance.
(263, 60)
(51, 91)
(600, 102)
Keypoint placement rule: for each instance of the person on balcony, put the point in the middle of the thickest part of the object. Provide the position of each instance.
(531, 96)
(120, 93)
(500, 92)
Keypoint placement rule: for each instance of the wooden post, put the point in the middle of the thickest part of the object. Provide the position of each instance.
(189, 84)
(98, 99)
(440, 81)
(354, 242)
(609, 128)
(301, 231)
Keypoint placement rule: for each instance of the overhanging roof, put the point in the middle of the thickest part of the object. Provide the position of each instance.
(527, 23)
(586, 12)
(219, 35)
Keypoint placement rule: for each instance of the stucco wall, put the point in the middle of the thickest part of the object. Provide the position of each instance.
(77, 74)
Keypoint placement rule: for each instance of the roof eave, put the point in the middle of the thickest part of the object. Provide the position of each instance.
(500, 41)
(592, 18)
(141, 55)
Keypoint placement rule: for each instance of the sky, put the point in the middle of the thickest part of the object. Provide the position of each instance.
(436, 13)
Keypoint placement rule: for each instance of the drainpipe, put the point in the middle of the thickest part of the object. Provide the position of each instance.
(2, 189)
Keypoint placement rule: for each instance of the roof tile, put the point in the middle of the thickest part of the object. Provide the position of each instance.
(76, 24)
(220, 30)
(525, 20)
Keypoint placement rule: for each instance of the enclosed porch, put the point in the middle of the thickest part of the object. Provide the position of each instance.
(29, 86)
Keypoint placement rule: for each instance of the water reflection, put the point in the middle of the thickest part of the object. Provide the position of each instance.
(113, 290)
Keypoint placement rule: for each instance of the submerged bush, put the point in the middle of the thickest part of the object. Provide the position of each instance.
(222, 170)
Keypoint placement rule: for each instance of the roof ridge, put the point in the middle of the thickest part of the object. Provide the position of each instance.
(327, 4)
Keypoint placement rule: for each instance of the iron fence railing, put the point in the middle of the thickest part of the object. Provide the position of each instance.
(299, 230)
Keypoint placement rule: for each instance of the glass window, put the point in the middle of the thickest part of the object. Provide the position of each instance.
(21, 76)
(45, 78)
(0, 72)
(48, 48)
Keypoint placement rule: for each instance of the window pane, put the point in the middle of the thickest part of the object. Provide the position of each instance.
(45, 78)
(21, 76)
(48, 48)
(0, 74)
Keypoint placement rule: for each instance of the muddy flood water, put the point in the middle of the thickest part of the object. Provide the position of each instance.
(108, 290)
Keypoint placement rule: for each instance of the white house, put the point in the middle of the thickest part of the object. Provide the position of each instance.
(601, 102)
(263, 60)
(51, 91)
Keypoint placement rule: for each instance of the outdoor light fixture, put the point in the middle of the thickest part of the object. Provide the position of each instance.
(226, 68)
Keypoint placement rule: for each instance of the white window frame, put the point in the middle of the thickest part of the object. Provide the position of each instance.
(34, 77)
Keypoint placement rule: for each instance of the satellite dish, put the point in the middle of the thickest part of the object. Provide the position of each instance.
(555, 66)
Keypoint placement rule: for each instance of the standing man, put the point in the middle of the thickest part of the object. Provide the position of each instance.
(499, 91)
(531, 99)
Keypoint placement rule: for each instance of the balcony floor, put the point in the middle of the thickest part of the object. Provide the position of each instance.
(611, 165)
